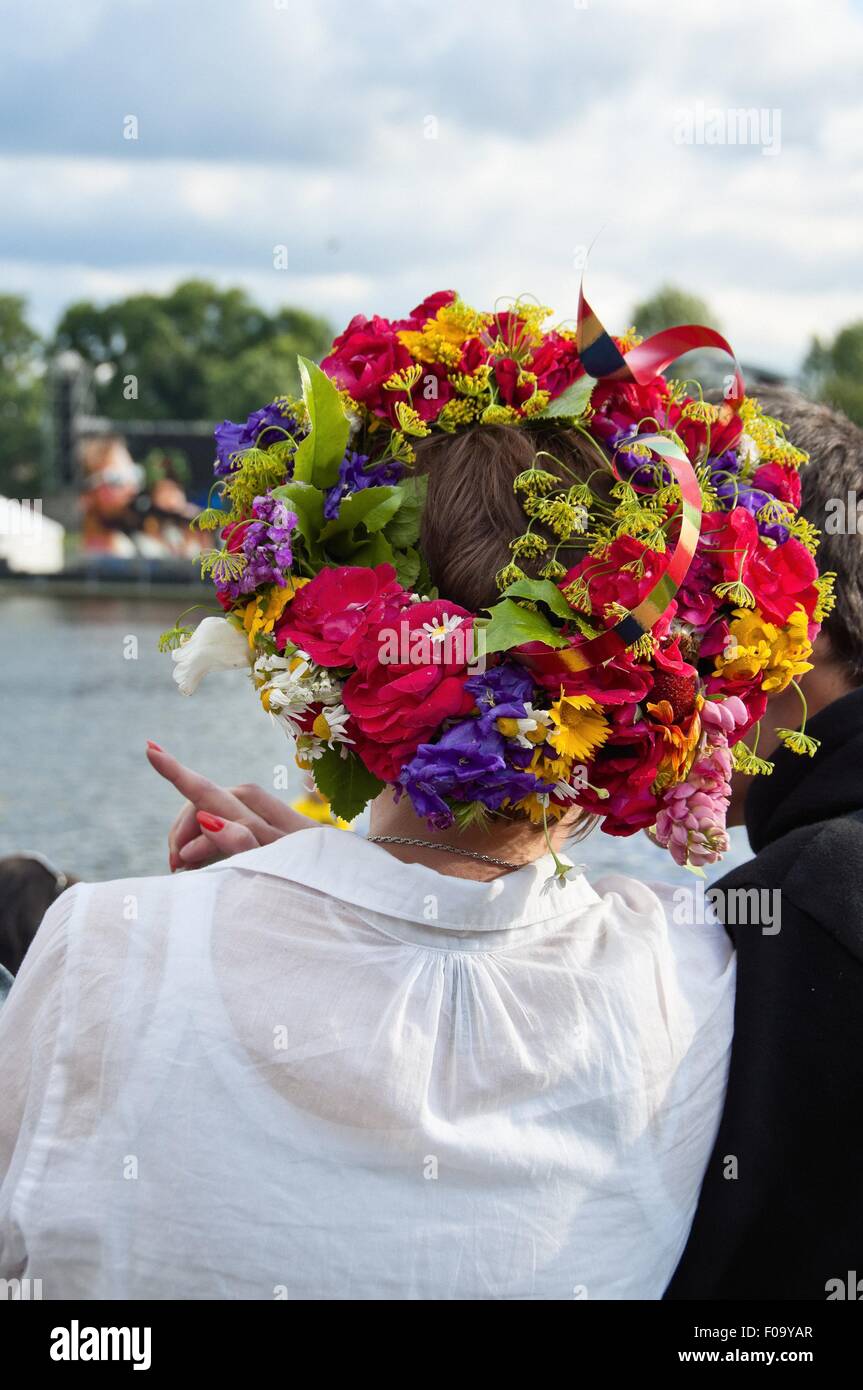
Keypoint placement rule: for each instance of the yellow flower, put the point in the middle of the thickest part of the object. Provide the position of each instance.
(580, 727)
(263, 610)
(442, 336)
(680, 742)
(316, 807)
(756, 645)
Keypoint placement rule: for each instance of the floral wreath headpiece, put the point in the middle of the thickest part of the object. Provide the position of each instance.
(623, 681)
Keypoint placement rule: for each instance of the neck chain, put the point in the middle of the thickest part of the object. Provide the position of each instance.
(449, 849)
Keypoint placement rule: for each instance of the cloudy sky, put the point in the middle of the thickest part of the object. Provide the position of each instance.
(395, 147)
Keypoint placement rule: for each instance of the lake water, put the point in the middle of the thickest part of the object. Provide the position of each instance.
(83, 687)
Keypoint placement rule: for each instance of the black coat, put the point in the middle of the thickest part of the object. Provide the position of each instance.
(792, 1219)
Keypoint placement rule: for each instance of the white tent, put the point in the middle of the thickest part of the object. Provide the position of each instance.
(30, 543)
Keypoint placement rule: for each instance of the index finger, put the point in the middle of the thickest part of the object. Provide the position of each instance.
(200, 790)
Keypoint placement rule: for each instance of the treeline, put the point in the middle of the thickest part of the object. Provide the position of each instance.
(202, 353)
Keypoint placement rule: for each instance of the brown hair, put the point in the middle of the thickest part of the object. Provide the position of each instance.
(472, 512)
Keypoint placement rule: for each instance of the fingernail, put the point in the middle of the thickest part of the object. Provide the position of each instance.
(174, 862)
(158, 747)
(208, 822)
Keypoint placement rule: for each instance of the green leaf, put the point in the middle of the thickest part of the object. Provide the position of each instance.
(374, 551)
(373, 506)
(573, 401)
(404, 529)
(509, 625)
(308, 503)
(345, 782)
(407, 563)
(319, 455)
(541, 591)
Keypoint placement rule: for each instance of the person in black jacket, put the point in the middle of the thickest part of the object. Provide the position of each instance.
(780, 1215)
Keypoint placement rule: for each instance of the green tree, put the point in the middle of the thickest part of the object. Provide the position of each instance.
(668, 308)
(834, 371)
(197, 353)
(22, 392)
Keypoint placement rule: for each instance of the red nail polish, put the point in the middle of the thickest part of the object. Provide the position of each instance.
(158, 747)
(209, 822)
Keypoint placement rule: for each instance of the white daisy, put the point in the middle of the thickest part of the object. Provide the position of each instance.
(439, 630)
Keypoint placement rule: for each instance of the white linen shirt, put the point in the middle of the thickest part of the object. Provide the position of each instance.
(315, 1072)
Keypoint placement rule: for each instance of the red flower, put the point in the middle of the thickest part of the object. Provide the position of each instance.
(397, 706)
(607, 580)
(626, 768)
(506, 371)
(781, 578)
(616, 682)
(336, 617)
(556, 364)
(427, 310)
(780, 481)
(427, 398)
(363, 357)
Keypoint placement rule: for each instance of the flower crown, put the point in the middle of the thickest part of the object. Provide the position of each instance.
(674, 588)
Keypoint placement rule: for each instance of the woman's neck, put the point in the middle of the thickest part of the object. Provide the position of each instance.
(517, 842)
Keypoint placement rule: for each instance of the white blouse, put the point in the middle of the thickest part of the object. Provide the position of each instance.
(315, 1072)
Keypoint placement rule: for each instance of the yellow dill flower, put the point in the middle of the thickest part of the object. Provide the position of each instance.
(529, 546)
(553, 570)
(500, 415)
(536, 404)
(736, 592)
(510, 574)
(580, 727)
(798, 742)
(410, 421)
(534, 482)
(456, 413)
(701, 411)
(825, 584)
(404, 380)
(472, 383)
(560, 516)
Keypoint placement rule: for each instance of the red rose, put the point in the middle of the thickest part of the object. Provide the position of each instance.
(397, 706)
(363, 357)
(556, 364)
(337, 615)
(427, 398)
(782, 578)
(626, 768)
(618, 681)
(506, 371)
(608, 582)
(427, 310)
(779, 481)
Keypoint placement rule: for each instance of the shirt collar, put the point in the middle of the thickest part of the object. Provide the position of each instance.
(346, 866)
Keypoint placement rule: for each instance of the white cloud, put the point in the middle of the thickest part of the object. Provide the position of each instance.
(555, 124)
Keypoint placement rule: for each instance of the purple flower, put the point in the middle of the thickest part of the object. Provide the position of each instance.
(506, 684)
(354, 476)
(263, 427)
(736, 494)
(468, 763)
(266, 545)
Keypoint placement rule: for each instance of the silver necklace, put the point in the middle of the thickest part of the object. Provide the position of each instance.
(450, 849)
